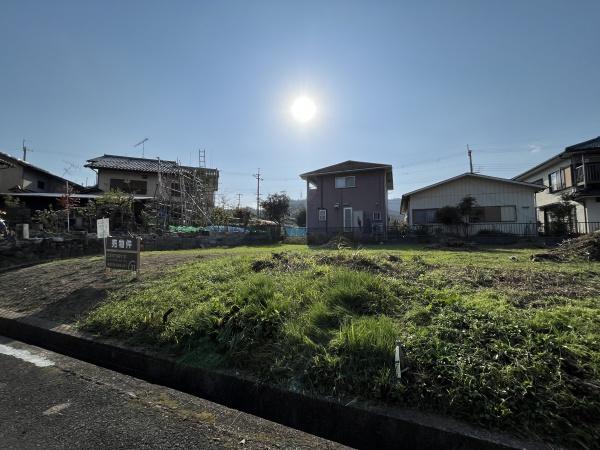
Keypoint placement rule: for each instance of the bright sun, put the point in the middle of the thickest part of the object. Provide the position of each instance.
(303, 109)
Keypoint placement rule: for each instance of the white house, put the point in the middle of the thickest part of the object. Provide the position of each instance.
(500, 202)
(576, 173)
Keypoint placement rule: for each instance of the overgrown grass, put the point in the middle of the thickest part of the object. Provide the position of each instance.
(501, 342)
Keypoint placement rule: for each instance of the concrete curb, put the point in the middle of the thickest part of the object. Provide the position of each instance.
(356, 426)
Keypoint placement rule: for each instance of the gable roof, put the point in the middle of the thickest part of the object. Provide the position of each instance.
(5, 163)
(350, 167)
(133, 164)
(592, 144)
(406, 196)
(543, 165)
(8, 161)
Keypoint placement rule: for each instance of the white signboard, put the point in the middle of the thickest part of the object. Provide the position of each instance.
(102, 228)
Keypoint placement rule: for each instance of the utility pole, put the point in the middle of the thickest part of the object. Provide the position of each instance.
(470, 158)
(258, 180)
(25, 150)
(239, 196)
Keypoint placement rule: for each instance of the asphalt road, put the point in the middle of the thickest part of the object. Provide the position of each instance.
(50, 401)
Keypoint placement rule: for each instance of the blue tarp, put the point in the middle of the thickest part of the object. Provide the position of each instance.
(294, 231)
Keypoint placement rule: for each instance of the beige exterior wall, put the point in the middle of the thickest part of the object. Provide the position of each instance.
(50, 184)
(105, 175)
(9, 178)
(546, 197)
(28, 178)
(486, 192)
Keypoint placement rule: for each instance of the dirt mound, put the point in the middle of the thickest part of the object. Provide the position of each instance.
(583, 248)
(338, 243)
(282, 262)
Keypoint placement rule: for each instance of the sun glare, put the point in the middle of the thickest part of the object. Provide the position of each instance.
(303, 109)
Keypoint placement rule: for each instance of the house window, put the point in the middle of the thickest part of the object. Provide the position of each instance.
(423, 216)
(560, 179)
(130, 186)
(312, 185)
(322, 215)
(41, 184)
(345, 182)
(376, 215)
(483, 214)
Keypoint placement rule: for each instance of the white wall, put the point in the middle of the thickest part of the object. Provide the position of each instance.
(593, 209)
(486, 192)
(546, 197)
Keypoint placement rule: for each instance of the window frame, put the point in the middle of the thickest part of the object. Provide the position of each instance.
(413, 211)
(346, 184)
(380, 216)
(561, 174)
(319, 217)
(481, 218)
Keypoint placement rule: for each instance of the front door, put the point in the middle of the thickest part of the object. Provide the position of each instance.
(347, 219)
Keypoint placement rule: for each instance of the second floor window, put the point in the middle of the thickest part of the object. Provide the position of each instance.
(376, 215)
(41, 184)
(345, 182)
(129, 186)
(560, 179)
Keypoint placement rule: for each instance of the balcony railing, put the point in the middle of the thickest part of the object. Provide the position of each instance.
(592, 173)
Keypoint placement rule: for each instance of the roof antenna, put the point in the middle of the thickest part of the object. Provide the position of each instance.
(142, 144)
(25, 150)
(470, 158)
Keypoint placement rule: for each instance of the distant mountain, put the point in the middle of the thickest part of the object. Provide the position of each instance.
(394, 208)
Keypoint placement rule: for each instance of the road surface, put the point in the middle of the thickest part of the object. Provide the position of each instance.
(51, 401)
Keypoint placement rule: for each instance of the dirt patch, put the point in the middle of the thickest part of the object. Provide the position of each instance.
(453, 244)
(529, 287)
(583, 248)
(67, 289)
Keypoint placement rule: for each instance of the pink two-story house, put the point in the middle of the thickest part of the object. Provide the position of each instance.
(349, 198)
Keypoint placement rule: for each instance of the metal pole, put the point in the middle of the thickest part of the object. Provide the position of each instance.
(470, 158)
(258, 180)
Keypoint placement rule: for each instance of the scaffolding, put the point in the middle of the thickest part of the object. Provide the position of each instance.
(184, 195)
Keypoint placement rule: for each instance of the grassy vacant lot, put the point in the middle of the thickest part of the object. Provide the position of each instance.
(488, 336)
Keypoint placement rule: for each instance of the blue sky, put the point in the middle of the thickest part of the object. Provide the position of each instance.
(404, 83)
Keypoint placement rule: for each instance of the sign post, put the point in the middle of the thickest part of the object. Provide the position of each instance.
(102, 228)
(122, 253)
(102, 232)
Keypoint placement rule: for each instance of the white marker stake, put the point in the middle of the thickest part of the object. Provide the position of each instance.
(397, 364)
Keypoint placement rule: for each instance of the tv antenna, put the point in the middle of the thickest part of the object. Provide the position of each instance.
(142, 142)
(70, 167)
(25, 150)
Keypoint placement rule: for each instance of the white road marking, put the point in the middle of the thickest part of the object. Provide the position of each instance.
(25, 355)
(56, 409)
